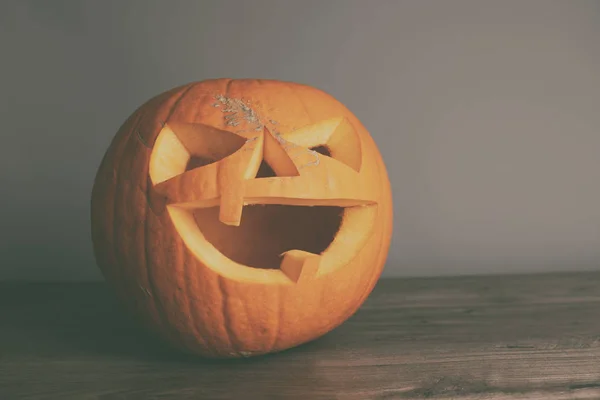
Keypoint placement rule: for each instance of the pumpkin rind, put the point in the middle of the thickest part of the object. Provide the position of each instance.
(140, 226)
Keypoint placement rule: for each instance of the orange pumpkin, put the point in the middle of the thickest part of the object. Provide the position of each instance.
(242, 217)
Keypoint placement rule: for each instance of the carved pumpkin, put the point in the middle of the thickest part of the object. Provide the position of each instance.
(242, 217)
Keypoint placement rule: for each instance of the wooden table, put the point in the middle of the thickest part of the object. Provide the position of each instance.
(507, 337)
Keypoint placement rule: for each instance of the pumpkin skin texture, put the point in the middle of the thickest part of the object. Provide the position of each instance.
(239, 217)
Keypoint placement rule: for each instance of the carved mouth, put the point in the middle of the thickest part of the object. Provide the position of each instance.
(268, 231)
(274, 241)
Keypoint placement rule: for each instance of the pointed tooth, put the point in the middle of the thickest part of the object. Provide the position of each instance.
(232, 175)
(299, 265)
(231, 206)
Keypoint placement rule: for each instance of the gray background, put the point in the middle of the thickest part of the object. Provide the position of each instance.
(487, 114)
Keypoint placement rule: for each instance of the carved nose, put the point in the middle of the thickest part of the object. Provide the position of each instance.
(266, 150)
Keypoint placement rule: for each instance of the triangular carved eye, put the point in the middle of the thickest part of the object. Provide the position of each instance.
(335, 138)
(322, 149)
(184, 146)
(206, 144)
(197, 161)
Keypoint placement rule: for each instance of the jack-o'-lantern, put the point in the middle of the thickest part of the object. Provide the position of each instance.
(242, 217)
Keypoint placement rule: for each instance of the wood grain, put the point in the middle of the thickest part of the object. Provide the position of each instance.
(495, 337)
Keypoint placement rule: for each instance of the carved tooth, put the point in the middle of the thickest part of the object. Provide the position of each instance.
(232, 204)
(232, 173)
(299, 265)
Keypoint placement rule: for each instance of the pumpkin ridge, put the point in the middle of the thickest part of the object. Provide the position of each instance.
(158, 305)
(225, 315)
(381, 253)
(278, 320)
(118, 151)
(186, 285)
(118, 192)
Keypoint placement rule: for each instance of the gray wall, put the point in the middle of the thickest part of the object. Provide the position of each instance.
(487, 114)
